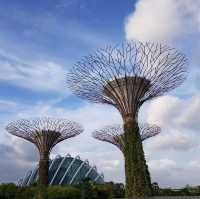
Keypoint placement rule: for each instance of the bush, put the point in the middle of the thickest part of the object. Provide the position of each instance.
(102, 191)
(91, 190)
(8, 191)
(117, 189)
(63, 192)
(11, 191)
(25, 193)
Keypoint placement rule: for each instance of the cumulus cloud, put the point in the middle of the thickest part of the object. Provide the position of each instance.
(170, 111)
(163, 111)
(190, 118)
(177, 141)
(179, 121)
(163, 164)
(16, 157)
(168, 172)
(163, 20)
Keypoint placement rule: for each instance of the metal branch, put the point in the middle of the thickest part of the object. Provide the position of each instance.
(115, 134)
(128, 75)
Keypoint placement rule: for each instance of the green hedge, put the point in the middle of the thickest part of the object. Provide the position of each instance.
(82, 191)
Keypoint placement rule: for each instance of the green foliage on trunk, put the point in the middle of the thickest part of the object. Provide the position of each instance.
(137, 175)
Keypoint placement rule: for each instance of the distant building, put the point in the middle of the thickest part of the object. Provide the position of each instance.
(65, 170)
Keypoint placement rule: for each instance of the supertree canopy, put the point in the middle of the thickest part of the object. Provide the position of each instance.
(115, 134)
(44, 133)
(126, 76)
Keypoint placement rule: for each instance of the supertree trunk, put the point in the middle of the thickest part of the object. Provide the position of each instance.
(137, 184)
(43, 169)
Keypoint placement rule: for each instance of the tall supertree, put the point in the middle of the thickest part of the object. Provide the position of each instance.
(115, 135)
(44, 133)
(125, 77)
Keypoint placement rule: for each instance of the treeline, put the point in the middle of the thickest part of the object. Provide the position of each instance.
(84, 190)
(185, 191)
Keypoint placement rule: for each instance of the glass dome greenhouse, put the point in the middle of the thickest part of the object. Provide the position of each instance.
(65, 170)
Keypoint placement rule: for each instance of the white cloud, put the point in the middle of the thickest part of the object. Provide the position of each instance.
(92, 116)
(163, 164)
(163, 111)
(195, 164)
(177, 141)
(6, 105)
(163, 20)
(42, 76)
(190, 117)
(170, 111)
(170, 173)
(179, 121)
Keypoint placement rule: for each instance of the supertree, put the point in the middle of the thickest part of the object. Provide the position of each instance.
(44, 133)
(115, 135)
(125, 77)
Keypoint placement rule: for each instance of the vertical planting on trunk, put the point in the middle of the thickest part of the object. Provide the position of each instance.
(135, 165)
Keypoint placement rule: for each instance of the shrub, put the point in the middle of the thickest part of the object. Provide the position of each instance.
(8, 191)
(102, 191)
(117, 189)
(63, 192)
(25, 192)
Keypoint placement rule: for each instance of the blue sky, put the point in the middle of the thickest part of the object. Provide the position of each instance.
(40, 41)
(56, 31)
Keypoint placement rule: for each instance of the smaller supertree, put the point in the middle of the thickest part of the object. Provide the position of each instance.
(44, 133)
(115, 135)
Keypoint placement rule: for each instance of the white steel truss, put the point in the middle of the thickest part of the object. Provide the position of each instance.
(32, 175)
(52, 162)
(82, 164)
(59, 167)
(25, 177)
(89, 171)
(76, 158)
